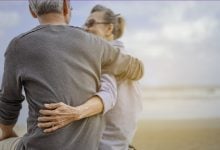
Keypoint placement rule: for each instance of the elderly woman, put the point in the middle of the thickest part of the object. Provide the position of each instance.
(121, 119)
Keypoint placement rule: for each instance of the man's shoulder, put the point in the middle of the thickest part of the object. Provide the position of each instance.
(40, 27)
(28, 32)
(17, 38)
(92, 38)
(77, 28)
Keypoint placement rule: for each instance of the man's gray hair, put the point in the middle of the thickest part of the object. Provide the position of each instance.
(41, 7)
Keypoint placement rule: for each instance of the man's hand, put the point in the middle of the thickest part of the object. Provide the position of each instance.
(57, 115)
(6, 131)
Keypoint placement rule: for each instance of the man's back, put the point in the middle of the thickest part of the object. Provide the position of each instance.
(57, 65)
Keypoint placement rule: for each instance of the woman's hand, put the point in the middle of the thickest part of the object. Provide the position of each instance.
(57, 115)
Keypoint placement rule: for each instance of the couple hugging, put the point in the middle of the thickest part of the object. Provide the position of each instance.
(80, 84)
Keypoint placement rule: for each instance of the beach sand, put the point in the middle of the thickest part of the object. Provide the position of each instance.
(197, 134)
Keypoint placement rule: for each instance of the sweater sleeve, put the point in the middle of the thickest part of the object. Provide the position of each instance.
(11, 90)
(123, 66)
(108, 92)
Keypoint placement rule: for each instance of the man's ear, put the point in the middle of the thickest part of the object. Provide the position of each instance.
(65, 7)
(32, 13)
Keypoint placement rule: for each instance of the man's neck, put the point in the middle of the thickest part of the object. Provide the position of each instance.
(52, 19)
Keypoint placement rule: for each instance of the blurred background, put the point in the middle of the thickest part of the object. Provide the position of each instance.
(178, 43)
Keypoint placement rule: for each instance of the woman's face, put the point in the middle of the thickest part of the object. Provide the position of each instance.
(95, 24)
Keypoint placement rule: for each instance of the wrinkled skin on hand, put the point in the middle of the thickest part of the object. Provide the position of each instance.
(57, 115)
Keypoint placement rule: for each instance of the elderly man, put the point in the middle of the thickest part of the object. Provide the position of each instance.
(54, 63)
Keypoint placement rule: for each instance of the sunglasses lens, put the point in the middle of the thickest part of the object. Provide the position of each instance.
(90, 23)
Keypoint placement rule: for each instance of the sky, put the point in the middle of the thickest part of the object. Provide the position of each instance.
(178, 41)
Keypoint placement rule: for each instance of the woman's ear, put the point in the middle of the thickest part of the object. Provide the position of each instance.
(34, 15)
(109, 29)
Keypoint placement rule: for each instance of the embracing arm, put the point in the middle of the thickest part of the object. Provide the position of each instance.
(120, 64)
(58, 115)
(107, 92)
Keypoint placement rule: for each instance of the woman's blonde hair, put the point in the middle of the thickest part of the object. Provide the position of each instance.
(109, 16)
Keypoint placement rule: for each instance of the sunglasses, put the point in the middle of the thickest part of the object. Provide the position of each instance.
(92, 22)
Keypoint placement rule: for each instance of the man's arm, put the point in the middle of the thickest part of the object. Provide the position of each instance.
(123, 66)
(7, 131)
(10, 94)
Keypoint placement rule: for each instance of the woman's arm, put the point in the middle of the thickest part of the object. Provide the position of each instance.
(108, 92)
(58, 115)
